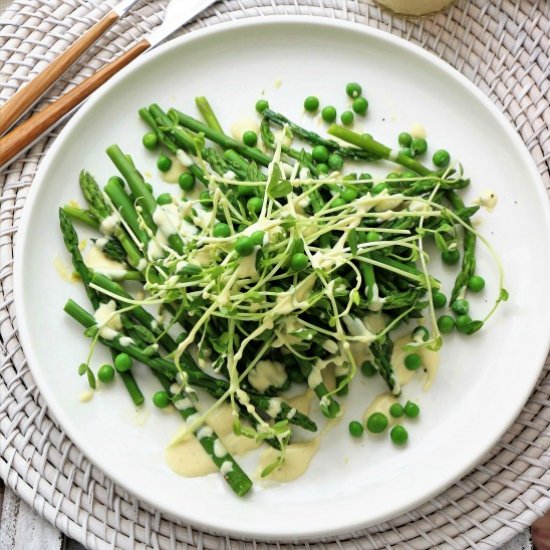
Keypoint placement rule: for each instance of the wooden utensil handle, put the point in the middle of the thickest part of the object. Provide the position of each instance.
(18, 104)
(26, 133)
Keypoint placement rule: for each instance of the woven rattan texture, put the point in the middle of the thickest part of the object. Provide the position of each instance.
(504, 48)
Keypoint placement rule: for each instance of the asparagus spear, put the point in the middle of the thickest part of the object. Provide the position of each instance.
(71, 242)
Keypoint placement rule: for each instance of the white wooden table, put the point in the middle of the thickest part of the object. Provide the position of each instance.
(22, 529)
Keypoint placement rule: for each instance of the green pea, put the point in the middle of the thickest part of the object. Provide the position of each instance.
(322, 168)
(476, 283)
(368, 369)
(116, 180)
(462, 322)
(356, 428)
(439, 299)
(246, 190)
(254, 205)
(205, 199)
(311, 104)
(360, 105)
(347, 118)
(257, 238)
(164, 198)
(335, 161)
(261, 105)
(365, 176)
(353, 90)
(412, 410)
(450, 257)
(373, 237)
(399, 435)
(408, 175)
(161, 399)
(221, 230)
(396, 410)
(338, 202)
(349, 194)
(446, 324)
(164, 163)
(244, 246)
(377, 422)
(404, 139)
(319, 153)
(298, 262)
(250, 138)
(150, 140)
(379, 187)
(407, 152)
(328, 114)
(413, 361)
(441, 158)
(106, 373)
(421, 333)
(123, 362)
(186, 181)
(393, 176)
(460, 306)
(419, 146)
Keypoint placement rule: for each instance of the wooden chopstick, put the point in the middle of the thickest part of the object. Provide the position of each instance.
(29, 131)
(25, 98)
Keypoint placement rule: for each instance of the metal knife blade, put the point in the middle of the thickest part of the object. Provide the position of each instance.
(177, 13)
(122, 7)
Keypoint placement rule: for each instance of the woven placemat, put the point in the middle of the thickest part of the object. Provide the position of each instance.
(503, 46)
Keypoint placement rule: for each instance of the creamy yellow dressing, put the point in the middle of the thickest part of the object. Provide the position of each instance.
(95, 259)
(301, 402)
(86, 396)
(172, 175)
(189, 459)
(417, 130)
(267, 374)
(488, 200)
(65, 271)
(108, 320)
(298, 457)
(430, 364)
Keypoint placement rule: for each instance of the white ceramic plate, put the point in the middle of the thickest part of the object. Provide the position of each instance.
(484, 380)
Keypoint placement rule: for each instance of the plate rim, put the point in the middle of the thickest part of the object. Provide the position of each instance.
(39, 182)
